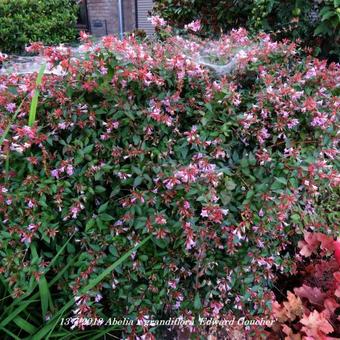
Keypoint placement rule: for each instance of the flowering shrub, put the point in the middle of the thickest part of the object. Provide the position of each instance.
(25, 21)
(136, 139)
(312, 310)
(314, 22)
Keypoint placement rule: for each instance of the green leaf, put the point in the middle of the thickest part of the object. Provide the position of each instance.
(296, 218)
(13, 336)
(161, 243)
(88, 149)
(209, 107)
(113, 250)
(250, 194)
(230, 184)
(197, 301)
(328, 15)
(99, 189)
(90, 224)
(225, 197)
(281, 180)
(103, 207)
(106, 217)
(138, 180)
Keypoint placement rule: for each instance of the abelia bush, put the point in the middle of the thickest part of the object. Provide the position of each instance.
(225, 168)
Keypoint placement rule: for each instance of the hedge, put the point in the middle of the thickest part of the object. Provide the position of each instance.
(49, 21)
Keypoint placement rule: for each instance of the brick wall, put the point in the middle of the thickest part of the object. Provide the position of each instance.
(129, 15)
(104, 19)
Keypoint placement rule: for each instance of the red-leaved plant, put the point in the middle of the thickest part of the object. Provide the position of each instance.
(311, 311)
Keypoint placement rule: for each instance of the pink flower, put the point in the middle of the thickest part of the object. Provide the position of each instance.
(32, 227)
(84, 36)
(214, 213)
(34, 47)
(98, 297)
(157, 21)
(30, 204)
(188, 174)
(189, 243)
(55, 173)
(204, 213)
(173, 283)
(310, 73)
(263, 135)
(103, 70)
(319, 120)
(11, 107)
(26, 238)
(292, 123)
(160, 219)
(3, 57)
(69, 170)
(194, 26)
(171, 182)
(216, 307)
(75, 209)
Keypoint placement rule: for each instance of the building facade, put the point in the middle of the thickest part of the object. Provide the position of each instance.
(103, 17)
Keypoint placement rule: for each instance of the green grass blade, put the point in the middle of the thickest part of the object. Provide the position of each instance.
(47, 330)
(16, 312)
(23, 324)
(13, 336)
(19, 300)
(45, 296)
(52, 282)
(61, 272)
(34, 103)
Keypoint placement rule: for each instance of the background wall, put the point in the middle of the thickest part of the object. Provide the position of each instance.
(103, 16)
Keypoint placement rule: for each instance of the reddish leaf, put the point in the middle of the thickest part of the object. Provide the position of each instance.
(316, 325)
(330, 306)
(314, 295)
(313, 240)
(290, 335)
(337, 276)
(337, 251)
(309, 245)
(326, 242)
(279, 312)
(294, 306)
(337, 279)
